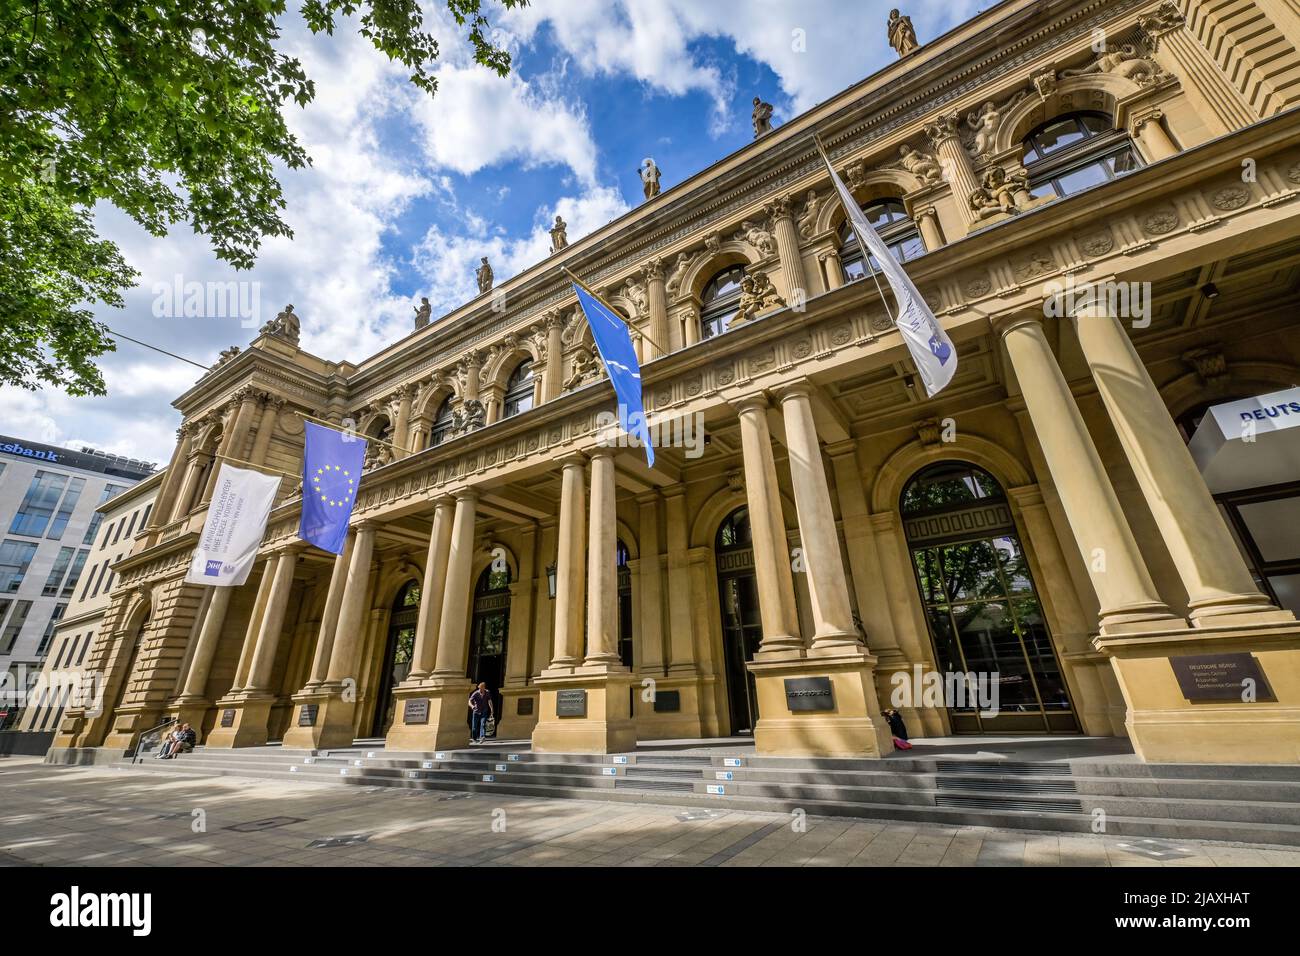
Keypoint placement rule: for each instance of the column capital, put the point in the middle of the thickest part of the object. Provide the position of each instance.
(1007, 322)
(468, 494)
(366, 526)
(801, 388)
(756, 401)
(601, 451)
(573, 459)
(842, 449)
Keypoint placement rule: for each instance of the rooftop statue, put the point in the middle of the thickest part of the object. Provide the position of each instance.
(901, 35)
(559, 235)
(284, 326)
(649, 174)
(422, 314)
(762, 117)
(484, 276)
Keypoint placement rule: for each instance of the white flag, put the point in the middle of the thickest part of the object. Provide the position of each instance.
(932, 351)
(236, 521)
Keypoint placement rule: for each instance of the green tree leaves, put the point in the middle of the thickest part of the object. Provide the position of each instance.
(171, 110)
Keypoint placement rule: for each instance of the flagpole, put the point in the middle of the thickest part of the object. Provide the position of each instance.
(321, 421)
(592, 292)
(245, 461)
(866, 253)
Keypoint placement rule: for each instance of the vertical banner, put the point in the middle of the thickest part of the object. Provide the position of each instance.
(232, 532)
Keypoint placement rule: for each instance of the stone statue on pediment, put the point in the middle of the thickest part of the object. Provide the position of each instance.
(586, 368)
(285, 326)
(758, 237)
(1122, 61)
(423, 314)
(761, 117)
(483, 275)
(997, 192)
(559, 235)
(678, 273)
(377, 456)
(985, 124)
(902, 37)
(649, 174)
(470, 415)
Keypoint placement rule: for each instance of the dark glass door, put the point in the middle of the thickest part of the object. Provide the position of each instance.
(397, 655)
(742, 628)
(489, 632)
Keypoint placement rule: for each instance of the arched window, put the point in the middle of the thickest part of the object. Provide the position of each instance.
(1075, 152)
(984, 614)
(519, 390)
(892, 223)
(441, 423)
(720, 301)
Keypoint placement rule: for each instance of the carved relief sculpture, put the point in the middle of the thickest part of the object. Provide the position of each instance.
(808, 217)
(757, 295)
(1122, 61)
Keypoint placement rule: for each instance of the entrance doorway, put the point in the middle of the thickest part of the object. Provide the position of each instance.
(397, 654)
(742, 628)
(982, 607)
(489, 632)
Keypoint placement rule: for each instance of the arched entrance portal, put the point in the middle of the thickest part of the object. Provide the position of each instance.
(397, 654)
(742, 629)
(489, 631)
(981, 605)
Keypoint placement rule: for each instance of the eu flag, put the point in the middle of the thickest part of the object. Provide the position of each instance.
(614, 343)
(331, 472)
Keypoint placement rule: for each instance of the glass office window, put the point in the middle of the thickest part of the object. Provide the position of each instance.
(68, 505)
(42, 497)
(15, 626)
(75, 574)
(57, 572)
(15, 556)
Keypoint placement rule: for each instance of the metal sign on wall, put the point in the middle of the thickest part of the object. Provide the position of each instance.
(1235, 676)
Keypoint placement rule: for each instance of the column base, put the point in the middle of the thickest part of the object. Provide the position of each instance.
(127, 723)
(1166, 727)
(445, 720)
(519, 710)
(331, 724)
(661, 719)
(850, 726)
(605, 727)
(248, 725)
(191, 710)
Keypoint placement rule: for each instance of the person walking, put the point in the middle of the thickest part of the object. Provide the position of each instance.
(480, 702)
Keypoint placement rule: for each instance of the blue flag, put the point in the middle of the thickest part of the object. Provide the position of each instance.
(614, 343)
(331, 472)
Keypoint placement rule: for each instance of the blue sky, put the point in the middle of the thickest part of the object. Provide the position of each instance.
(407, 191)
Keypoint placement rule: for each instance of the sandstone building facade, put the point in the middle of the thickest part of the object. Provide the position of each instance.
(1041, 519)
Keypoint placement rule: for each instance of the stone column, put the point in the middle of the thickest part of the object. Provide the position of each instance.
(945, 137)
(193, 700)
(453, 627)
(690, 326)
(510, 724)
(554, 378)
(832, 268)
(188, 489)
(927, 217)
(828, 589)
(1203, 82)
(268, 637)
(657, 304)
(402, 422)
(265, 429)
(165, 503)
(570, 583)
(329, 621)
(254, 626)
(681, 646)
(432, 591)
(1208, 562)
(787, 248)
(650, 585)
(232, 443)
(771, 554)
(352, 608)
(602, 572)
(1149, 130)
(1126, 593)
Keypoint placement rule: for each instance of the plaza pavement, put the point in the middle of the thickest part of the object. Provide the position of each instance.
(69, 816)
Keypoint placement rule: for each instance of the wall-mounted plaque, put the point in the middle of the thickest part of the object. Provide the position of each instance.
(668, 701)
(416, 711)
(571, 703)
(524, 706)
(1221, 677)
(228, 718)
(809, 693)
(307, 715)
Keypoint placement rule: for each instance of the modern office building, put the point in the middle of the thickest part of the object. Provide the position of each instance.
(118, 523)
(1100, 201)
(49, 512)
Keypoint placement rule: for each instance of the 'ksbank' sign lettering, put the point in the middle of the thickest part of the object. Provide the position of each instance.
(44, 454)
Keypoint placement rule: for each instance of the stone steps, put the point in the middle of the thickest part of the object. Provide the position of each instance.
(1250, 804)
